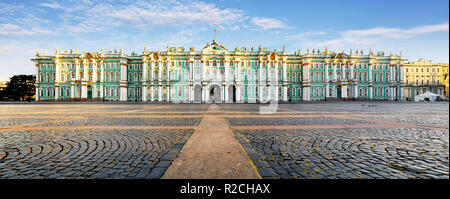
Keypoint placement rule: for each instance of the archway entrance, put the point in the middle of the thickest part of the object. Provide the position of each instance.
(339, 91)
(198, 93)
(232, 93)
(214, 94)
(89, 92)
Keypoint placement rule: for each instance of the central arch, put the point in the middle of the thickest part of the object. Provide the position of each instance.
(214, 94)
(198, 93)
(231, 93)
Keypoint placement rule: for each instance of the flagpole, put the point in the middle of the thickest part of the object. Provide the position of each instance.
(214, 32)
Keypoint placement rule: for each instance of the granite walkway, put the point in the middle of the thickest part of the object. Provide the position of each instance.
(212, 152)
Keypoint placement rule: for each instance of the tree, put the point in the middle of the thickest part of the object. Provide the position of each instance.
(21, 87)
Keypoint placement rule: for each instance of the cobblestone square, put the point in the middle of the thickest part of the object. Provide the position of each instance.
(323, 140)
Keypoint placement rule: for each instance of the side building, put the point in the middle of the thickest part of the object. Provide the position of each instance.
(216, 74)
(424, 76)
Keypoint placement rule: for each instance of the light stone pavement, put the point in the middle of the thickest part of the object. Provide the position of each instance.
(382, 140)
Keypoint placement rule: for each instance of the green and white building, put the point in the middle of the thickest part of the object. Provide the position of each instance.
(216, 74)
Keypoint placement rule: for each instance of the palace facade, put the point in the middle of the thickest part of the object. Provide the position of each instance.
(216, 74)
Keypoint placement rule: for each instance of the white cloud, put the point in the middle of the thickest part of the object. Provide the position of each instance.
(373, 35)
(268, 23)
(15, 30)
(54, 5)
(148, 15)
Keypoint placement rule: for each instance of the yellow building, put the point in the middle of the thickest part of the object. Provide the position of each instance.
(445, 79)
(423, 76)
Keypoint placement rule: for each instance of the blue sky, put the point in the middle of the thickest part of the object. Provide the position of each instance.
(417, 28)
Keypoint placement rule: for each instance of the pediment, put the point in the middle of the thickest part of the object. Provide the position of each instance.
(214, 48)
(86, 55)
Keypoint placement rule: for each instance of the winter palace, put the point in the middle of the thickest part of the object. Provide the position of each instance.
(216, 74)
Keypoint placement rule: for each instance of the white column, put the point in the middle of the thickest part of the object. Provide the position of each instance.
(238, 71)
(77, 71)
(203, 93)
(306, 87)
(144, 81)
(226, 97)
(159, 92)
(168, 72)
(203, 67)
(343, 72)
(38, 93)
(72, 91)
(327, 87)
(276, 83)
(159, 71)
(227, 68)
(102, 73)
(152, 93)
(334, 73)
(192, 90)
(223, 94)
(57, 93)
(94, 91)
(83, 90)
(123, 82)
(351, 71)
(168, 92)
(144, 93)
(356, 91)
(344, 90)
(94, 72)
(370, 82)
(101, 91)
(85, 73)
